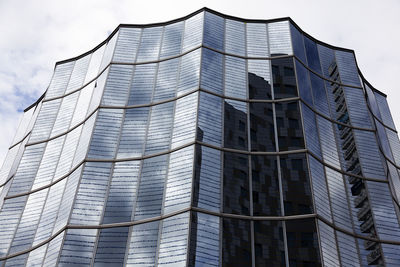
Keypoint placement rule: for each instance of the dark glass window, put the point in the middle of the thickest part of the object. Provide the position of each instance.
(284, 79)
(236, 243)
(262, 127)
(269, 245)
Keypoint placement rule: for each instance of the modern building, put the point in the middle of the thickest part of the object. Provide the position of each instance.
(209, 140)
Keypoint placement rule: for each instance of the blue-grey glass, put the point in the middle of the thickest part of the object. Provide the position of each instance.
(236, 191)
(143, 245)
(298, 43)
(310, 131)
(173, 248)
(235, 77)
(185, 120)
(106, 134)
(142, 84)
(111, 247)
(178, 189)
(172, 40)
(109, 51)
(368, 152)
(328, 142)
(167, 76)
(235, 37)
(212, 72)
(372, 102)
(297, 196)
(338, 199)
(117, 86)
(133, 133)
(327, 57)
(204, 240)
(45, 120)
(209, 127)
(78, 247)
(357, 107)
(16, 261)
(284, 78)
(214, 29)
(26, 172)
(122, 192)
(384, 110)
(391, 254)
(319, 94)
(328, 245)
(98, 90)
(269, 248)
(262, 127)
(151, 187)
(65, 113)
(189, 72)
(36, 256)
(347, 250)
(303, 81)
(235, 124)
(91, 194)
(94, 65)
(78, 73)
(259, 79)
(193, 33)
(312, 55)
(207, 178)
(289, 126)
(160, 128)
(257, 41)
(53, 250)
(127, 44)
(383, 141)
(265, 186)
(236, 243)
(60, 79)
(319, 187)
(302, 242)
(381, 204)
(394, 145)
(279, 38)
(84, 140)
(347, 67)
(149, 47)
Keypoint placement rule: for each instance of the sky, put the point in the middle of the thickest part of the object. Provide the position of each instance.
(34, 35)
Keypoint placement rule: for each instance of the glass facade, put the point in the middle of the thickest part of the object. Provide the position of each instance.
(207, 141)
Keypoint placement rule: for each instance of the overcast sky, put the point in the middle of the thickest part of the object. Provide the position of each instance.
(36, 34)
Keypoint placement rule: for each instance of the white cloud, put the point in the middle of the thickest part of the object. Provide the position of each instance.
(36, 34)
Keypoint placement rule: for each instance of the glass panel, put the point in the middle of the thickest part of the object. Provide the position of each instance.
(384, 109)
(189, 73)
(357, 107)
(311, 131)
(173, 241)
(235, 37)
(328, 245)
(45, 120)
(106, 133)
(117, 85)
(172, 40)
(82, 105)
(214, 31)
(166, 83)
(259, 79)
(109, 51)
(269, 246)
(193, 36)
(296, 184)
(178, 190)
(60, 79)
(235, 77)
(84, 140)
(150, 44)
(23, 125)
(236, 184)
(160, 127)
(298, 45)
(111, 247)
(53, 251)
(142, 84)
(143, 245)
(127, 44)
(236, 243)
(347, 250)
(279, 38)
(284, 78)
(327, 57)
(264, 173)
(98, 91)
(133, 133)
(319, 94)
(288, 124)
(212, 71)
(210, 119)
(257, 42)
(90, 198)
(347, 68)
(204, 240)
(235, 124)
(78, 74)
(65, 113)
(94, 65)
(151, 187)
(312, 55)
(262, 127)
(303, 80)
(302, 243)
(207, 179)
